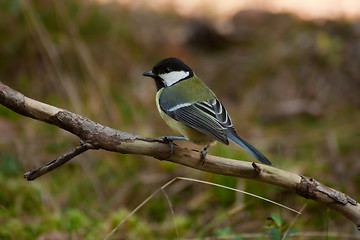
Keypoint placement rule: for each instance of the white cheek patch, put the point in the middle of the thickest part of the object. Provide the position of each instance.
(173, 77)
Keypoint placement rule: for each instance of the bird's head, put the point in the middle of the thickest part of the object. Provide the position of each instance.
(169, 71)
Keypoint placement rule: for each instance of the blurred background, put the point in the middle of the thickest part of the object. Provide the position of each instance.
(287, 72)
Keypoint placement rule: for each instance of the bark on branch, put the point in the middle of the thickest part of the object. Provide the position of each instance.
(96, 136)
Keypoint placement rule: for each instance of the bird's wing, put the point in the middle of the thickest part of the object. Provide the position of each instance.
(208, 117)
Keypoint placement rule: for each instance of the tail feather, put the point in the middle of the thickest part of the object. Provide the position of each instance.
(247, 147)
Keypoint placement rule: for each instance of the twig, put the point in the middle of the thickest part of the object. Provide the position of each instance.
(35, 173)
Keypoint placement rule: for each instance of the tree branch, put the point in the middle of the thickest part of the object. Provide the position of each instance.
(35, 173)
(97, 136)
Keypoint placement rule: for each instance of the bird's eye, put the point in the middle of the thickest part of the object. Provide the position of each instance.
(167, 70)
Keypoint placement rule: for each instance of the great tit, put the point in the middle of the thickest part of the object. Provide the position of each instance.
(191, 109)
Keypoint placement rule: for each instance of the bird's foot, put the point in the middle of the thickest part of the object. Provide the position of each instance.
(203, 154)
(169, 140)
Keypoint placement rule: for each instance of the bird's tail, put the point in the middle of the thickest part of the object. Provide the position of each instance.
(247, 146)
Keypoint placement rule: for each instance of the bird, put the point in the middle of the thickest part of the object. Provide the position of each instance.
(191, 109)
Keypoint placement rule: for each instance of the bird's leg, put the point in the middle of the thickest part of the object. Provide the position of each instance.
(203, 154)
(170, 140)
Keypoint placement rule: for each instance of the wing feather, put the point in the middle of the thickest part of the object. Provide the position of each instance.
(208, 117)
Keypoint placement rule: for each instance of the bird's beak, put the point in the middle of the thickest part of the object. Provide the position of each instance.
(149, 74)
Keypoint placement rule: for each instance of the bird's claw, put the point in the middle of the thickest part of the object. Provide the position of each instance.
(169, 140)
(171, 146)
(203, 154)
